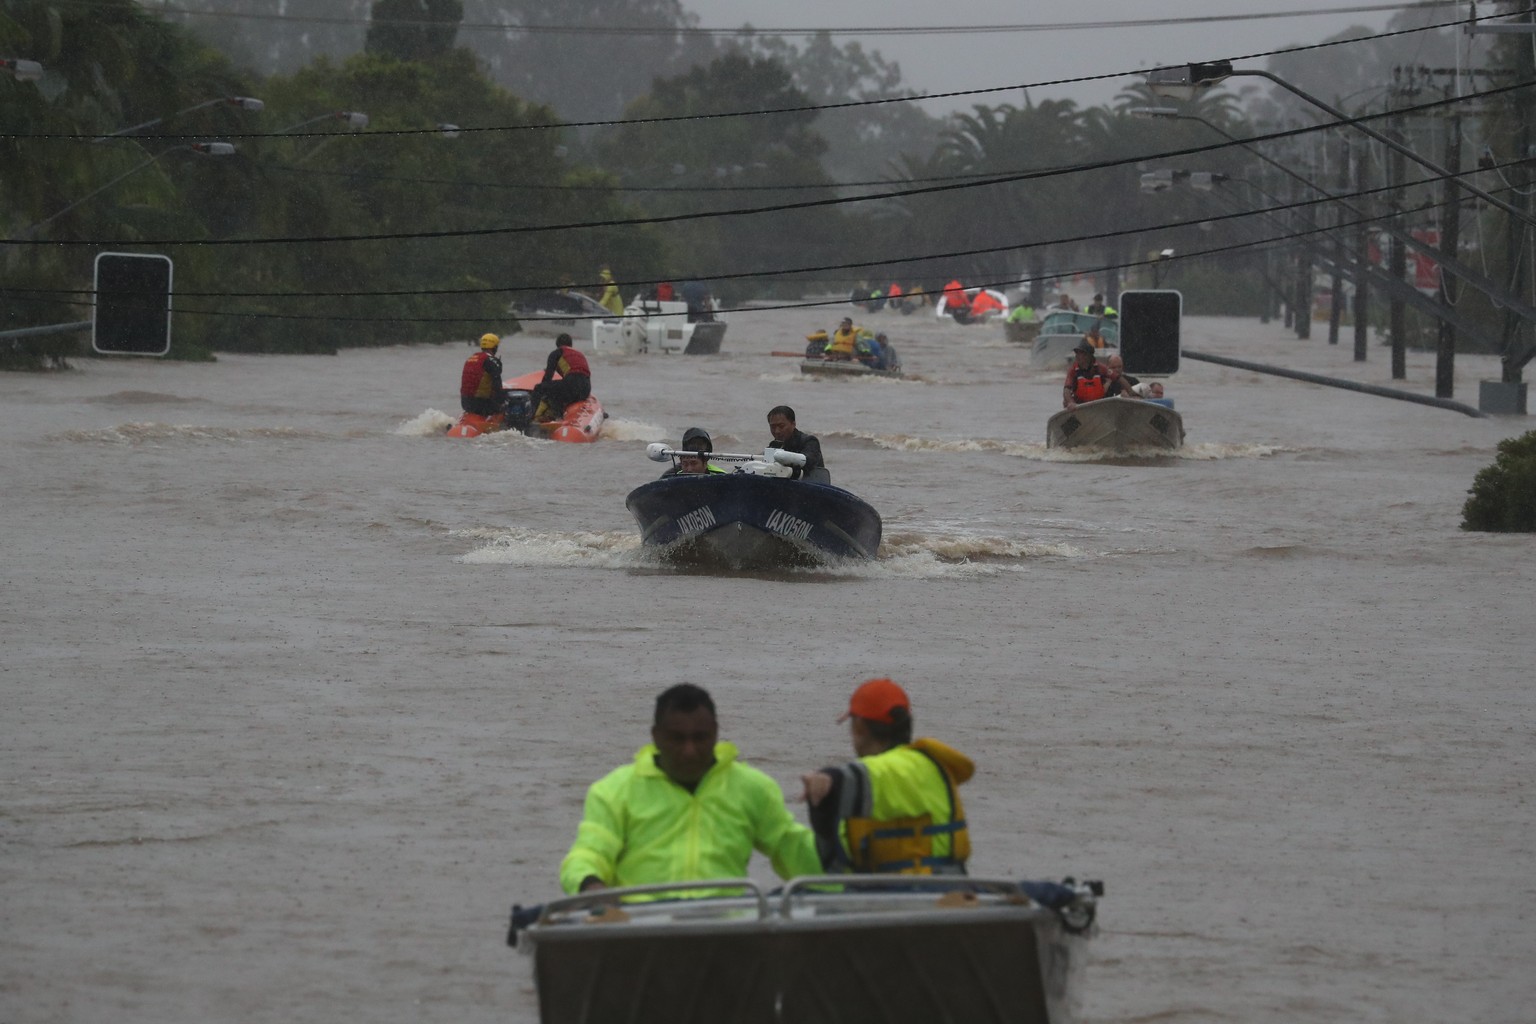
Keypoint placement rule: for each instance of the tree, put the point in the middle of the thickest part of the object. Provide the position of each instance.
(414, 29)
(864, 141)
(714, 155)
(564, 53)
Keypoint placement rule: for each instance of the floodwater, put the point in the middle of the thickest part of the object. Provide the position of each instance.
(300, 696)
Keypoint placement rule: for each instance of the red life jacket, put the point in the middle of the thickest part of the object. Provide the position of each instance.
(1090, 388)
(572, 361)
(474, 376)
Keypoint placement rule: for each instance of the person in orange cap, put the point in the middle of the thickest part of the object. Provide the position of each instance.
(896, 809)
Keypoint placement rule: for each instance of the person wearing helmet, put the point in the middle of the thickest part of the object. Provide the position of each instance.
(696, 440)
(480, 383)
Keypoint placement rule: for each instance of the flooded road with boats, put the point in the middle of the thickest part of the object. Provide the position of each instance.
(301, 695)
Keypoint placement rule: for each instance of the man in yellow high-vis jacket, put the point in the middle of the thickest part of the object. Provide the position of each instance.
(685, 810)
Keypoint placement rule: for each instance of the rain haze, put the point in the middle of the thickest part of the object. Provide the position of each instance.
(1047, 41)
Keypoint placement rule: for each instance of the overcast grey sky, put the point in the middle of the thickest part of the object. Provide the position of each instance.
(942, 63)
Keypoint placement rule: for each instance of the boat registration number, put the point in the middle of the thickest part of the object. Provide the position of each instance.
(786, 525)
(697, 521)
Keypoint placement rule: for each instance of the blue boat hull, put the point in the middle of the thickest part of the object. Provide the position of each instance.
(743, 521)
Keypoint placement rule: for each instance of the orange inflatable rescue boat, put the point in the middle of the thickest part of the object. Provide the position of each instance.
(582, 422)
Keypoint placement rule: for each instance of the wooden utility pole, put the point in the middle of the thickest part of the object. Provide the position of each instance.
(1398, 267)
(1336, 297)
(1303, 292)
(1450, 238)
(1362, 262)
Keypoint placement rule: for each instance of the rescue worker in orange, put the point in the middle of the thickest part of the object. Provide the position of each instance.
(897, 808)
(1088, 380)
(551, 396)
(480, 383)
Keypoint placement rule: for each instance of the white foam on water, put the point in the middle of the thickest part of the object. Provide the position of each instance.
(160, 433)
(632, 430)
(1040, 452)
(529, 548)
(427, 424)
(905, 555)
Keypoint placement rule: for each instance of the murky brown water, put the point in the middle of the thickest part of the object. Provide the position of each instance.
(300, 696)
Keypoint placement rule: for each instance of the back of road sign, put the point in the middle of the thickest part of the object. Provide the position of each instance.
(1149, 331)
(132, 314)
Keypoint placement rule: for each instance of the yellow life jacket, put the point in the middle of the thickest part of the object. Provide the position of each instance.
(914, 844)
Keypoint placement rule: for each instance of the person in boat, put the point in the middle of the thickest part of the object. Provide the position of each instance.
(875, 352)
(480, 382)
(611, 300)
(698, 443)
(664, 291)
(896, 809)
(1096, 307)
(1022, 313)
(1094, 336)
(701, 309)
(786, 435)
(1087, 379)
(841, 346)
(1124, 382)
(816, 344)
(550, 396)
(867, 349)
(686, 809)
(1147, 389)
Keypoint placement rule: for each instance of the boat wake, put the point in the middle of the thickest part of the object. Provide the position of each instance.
(166, 433)
(434, 422)
(1038, 452)
(905, 555)
(429, 424)
(632, 430)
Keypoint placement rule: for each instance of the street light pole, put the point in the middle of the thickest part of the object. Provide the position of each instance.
(250, 103)
(1184, 81)
(205, 148)
(355, 119)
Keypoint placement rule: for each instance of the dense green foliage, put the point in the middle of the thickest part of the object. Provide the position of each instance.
(414, 29)
(1503, 495)
(272, 245)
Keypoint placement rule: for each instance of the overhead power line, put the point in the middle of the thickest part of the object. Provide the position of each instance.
(1236, 247)
(998, 179)
(751, 30)
(818, 269)
(798, 109)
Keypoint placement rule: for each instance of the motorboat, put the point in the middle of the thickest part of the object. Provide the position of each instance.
(1022, 332)
(1061, 330)
(558, 312)
(582, 422)
(1117, 424)
(758, 516)
(654, 325)
(845, 368)
(901, 949)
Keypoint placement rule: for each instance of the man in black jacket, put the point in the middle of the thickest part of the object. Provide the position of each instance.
(781, 422)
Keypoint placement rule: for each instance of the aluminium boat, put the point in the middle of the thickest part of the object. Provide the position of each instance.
(895, 949)
(1117, 424)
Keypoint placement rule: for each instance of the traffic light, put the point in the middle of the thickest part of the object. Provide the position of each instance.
(1149, 331)
(132, 315)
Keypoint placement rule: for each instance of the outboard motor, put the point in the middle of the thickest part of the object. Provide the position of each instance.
(519, 410)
